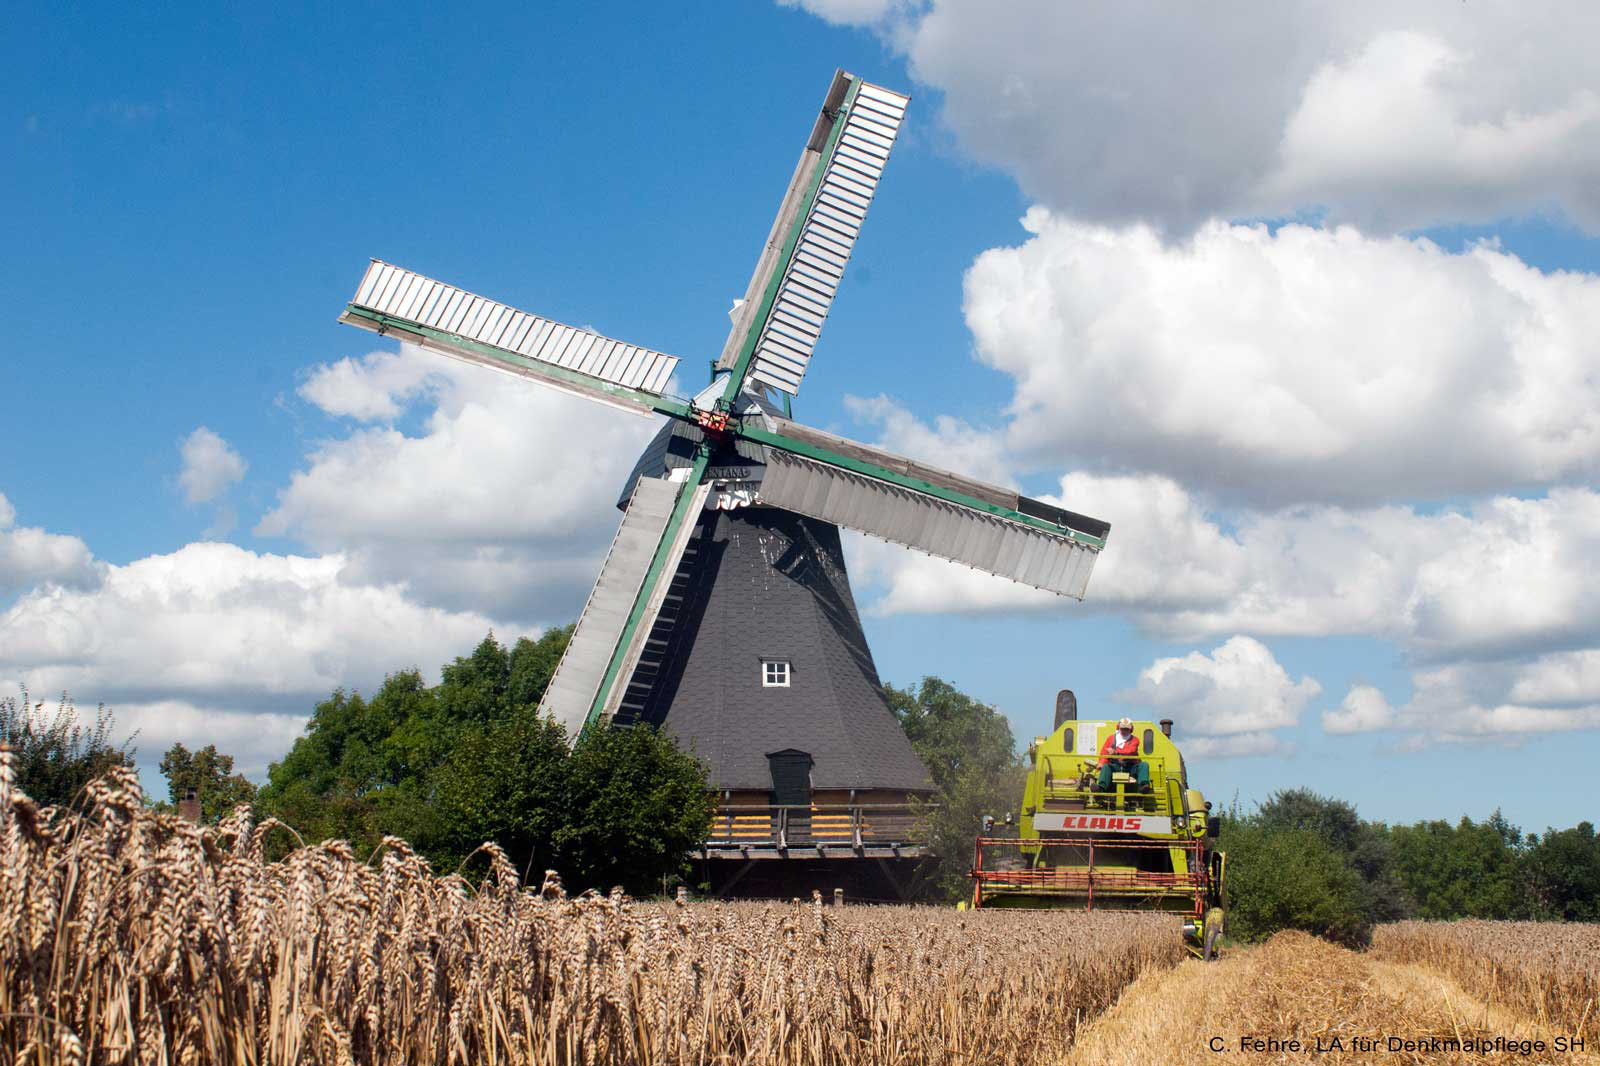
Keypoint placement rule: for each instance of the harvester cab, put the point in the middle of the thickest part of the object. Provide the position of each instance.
(1109, 826)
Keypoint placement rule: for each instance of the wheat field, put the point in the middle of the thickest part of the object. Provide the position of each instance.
(141, 938)
(1298, 999)
(1549, 971)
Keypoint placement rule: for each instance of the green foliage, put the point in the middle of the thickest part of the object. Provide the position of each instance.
(971, 755)
(1563, 874)
(1291, 878)
(1468, 870)
(209, 773)
(1364, 845)
(56, 754)
(634, 807)
(1304, 861)
(450, 766)
(1308, 862)
(367, 768)
(505, 783)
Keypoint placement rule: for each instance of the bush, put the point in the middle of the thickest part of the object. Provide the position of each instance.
(634, 807)
(56, 754)
(1291, 879)
(449, 766)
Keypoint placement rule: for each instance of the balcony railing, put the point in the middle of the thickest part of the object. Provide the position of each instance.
(852, 826)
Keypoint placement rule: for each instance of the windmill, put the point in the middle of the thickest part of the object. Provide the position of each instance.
(723, 611)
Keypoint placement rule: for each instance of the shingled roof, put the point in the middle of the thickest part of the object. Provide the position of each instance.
(759, 584)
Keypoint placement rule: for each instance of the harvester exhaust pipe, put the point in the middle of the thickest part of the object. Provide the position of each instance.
(1166, 727)
(1066, 708)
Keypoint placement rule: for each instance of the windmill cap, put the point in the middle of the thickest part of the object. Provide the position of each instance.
(1125, 723)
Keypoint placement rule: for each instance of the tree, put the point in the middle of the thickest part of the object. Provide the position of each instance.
(634, 807)
(1564, 873)
(449, 766)
(1468, 870)
(209, 773)
(971, 755)
(1364, 845)
(360, 771)
(56, 755)
(1291, 878)
(533, 664)
(506, 784)
(367, 768)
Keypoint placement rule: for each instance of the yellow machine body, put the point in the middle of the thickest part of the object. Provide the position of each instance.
(1122, 848)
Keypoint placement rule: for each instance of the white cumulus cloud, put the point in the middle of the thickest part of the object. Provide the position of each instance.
(504, 501)
(255, 739)
(1399, 135)
(1240, 745)
(216, 644)
(1301, 364)
(1239, 688)
(31, 556)
(216, 620)
(1566, 678)
(1364, 710)
(1499, 577)
(947, 443)
(1504, 703)
(1386, 115)
(210, 465)
(376, 387)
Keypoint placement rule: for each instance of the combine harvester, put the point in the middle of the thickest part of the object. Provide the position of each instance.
(1125, 849)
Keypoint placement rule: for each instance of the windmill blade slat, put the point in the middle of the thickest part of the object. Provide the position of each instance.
(535, 338)
(582, 668)
(886, 98)
(454, 322)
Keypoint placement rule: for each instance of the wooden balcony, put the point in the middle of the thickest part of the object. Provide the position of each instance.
(843, 831)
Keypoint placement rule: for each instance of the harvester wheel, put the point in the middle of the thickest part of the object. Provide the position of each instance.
(1210, 946)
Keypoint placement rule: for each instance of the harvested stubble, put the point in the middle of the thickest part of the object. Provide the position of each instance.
(1306, 1000)
(135, 937)
(1547, 970)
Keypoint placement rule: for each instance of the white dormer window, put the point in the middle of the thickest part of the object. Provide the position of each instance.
(774, 673)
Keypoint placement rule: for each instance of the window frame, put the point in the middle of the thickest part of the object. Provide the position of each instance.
(769, 675)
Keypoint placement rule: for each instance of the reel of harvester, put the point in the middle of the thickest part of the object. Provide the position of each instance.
(1109, 832)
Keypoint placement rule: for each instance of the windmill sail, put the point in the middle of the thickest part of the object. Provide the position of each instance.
(888, 496)
(604, 625)
(828, 198)
(454, 322)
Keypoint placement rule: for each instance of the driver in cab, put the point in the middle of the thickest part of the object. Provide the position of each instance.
(1120, 752)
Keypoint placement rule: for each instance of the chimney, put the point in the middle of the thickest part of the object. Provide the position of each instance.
(189, 807)
(1066, 708)
(1166, 727)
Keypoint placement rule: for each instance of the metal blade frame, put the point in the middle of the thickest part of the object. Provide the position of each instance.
(634, 401)
(691, 499)
(449, 320)
(741, 363)
(570, 694)
(1092, 534)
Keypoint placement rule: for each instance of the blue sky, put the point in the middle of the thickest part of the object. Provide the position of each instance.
(1348, 460)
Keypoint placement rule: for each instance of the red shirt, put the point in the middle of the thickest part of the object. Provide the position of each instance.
(1129, 747)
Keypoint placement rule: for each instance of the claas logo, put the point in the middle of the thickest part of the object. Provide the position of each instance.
(1084, 821)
